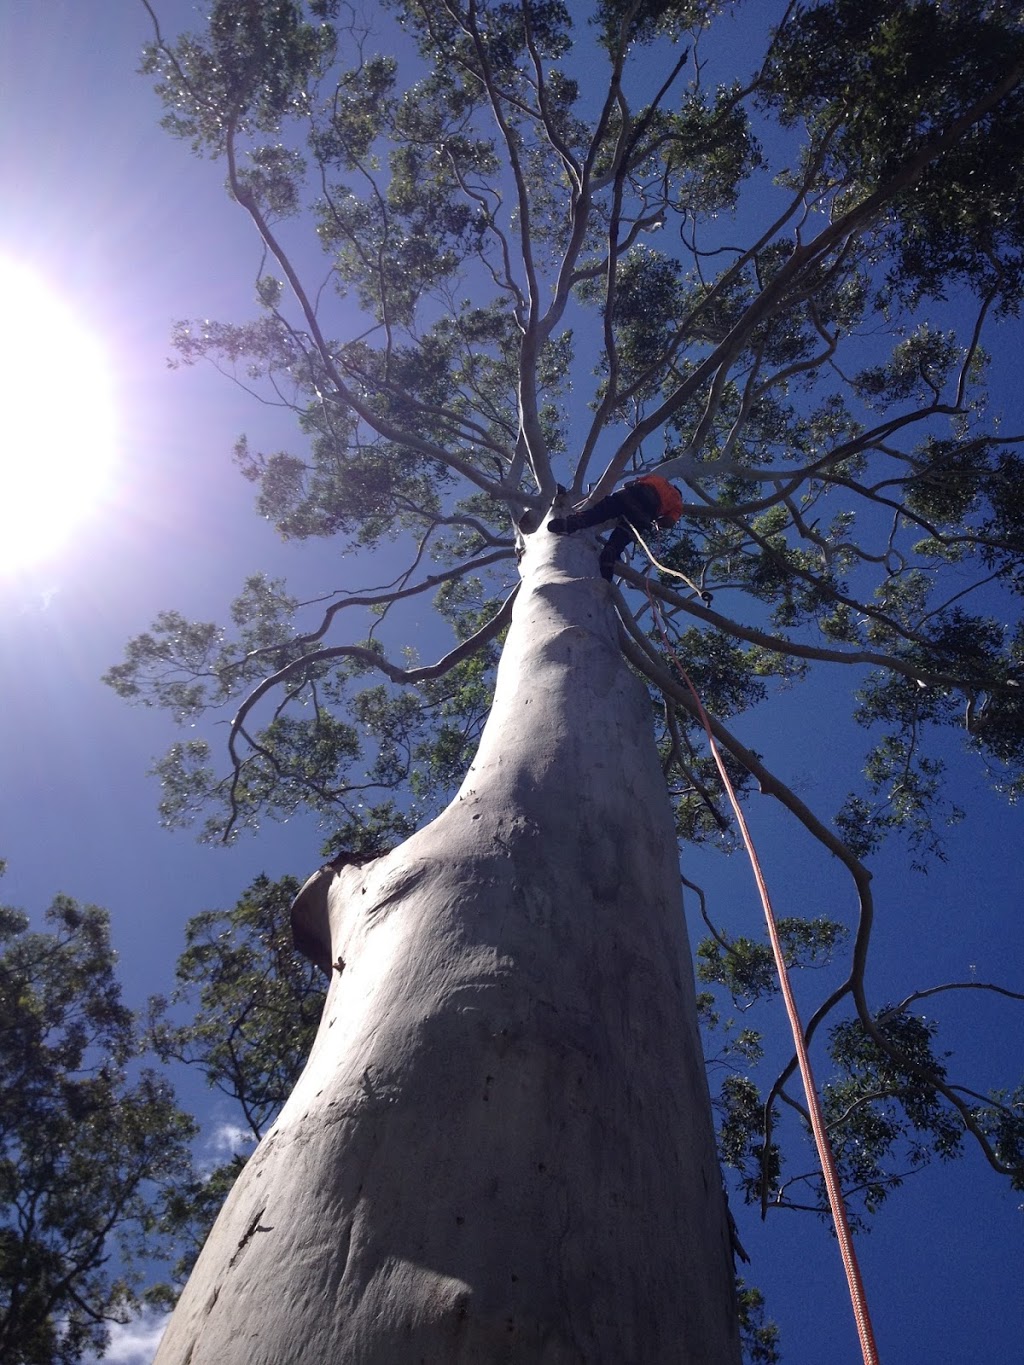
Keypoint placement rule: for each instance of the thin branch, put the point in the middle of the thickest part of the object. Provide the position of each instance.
(409, 676)
(802, 262)
(947, 986)
(779, 644)
(377, 599)
(380, 425)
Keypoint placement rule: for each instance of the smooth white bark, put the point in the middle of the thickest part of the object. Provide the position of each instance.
(501, 1147)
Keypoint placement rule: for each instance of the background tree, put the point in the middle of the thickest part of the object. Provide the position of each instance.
(497, 227)
(252, 1004)
(87, 1140)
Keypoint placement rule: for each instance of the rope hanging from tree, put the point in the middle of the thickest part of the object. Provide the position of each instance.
(837, 1205)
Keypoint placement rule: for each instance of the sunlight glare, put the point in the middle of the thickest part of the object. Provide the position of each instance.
(56, 421)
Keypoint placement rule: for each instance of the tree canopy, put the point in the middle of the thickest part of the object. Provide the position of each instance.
(488, 272)
(89, 1142)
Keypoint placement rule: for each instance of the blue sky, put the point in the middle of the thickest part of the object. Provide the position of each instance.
(134, 233)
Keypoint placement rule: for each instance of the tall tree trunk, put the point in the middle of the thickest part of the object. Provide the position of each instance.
(501, 1147)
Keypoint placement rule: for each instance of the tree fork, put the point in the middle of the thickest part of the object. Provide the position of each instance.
(501, 1147)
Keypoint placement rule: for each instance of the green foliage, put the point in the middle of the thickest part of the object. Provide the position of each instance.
(475, 209)
(253, 1004)
(884, 1101)
(746, 969)
(1002, 1121)
(390, 740)
(187, 1213)
(887, 1102)
(89, 1142)
(876, 82)
(626, 22)
(254, 1001)
(741, 1144)
(246, 73)
(760, 1339)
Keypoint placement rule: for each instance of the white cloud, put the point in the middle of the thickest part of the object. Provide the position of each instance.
(135, 1342)
(226, 1140)
(229, 1138)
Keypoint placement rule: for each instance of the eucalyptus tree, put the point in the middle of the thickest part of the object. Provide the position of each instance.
(508, 257)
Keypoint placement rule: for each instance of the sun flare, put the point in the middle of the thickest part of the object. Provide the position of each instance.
(56, 421)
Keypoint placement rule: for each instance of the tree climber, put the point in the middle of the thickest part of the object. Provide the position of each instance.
(649, 500)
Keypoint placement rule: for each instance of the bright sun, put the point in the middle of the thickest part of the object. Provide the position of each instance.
(56, 421)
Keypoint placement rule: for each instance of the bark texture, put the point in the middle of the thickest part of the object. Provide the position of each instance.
(501, 1148)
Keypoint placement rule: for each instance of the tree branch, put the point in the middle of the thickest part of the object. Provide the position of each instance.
(368, 657)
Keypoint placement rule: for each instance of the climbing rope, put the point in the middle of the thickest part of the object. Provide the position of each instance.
(837, 1205)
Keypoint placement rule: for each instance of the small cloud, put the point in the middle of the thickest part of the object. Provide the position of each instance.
(135, 1342)
(36, 599)
(228, 1139)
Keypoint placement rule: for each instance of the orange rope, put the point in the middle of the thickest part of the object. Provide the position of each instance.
(821, 1139)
